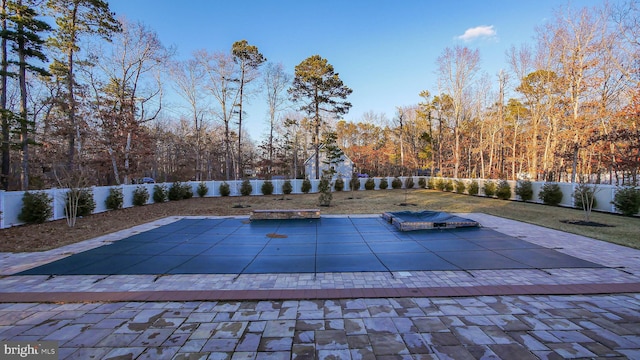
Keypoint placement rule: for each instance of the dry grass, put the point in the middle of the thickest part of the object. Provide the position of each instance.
(51, 235)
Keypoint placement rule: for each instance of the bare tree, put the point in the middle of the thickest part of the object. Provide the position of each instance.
(276, 82)
(487, 127)
(127, 85)
(575, 43)
(626, 17)
(457, 68)
(221, 73)
(522, 66)
(189, 79)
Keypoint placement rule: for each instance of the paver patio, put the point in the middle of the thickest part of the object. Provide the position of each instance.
(407, 314)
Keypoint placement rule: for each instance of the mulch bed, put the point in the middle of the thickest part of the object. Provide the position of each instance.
(585, 223)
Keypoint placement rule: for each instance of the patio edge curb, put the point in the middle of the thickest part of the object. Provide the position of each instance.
(315, 294)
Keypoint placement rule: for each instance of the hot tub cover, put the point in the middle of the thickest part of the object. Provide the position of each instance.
(422, 220)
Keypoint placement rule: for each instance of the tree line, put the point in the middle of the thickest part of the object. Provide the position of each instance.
(89, 95)
(565, 109)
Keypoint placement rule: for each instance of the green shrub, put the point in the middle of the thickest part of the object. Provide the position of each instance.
(489, 188)
(115, 199)
(246, 188)
(36, 207)
(324, 188)
(460, 186)
(287, 188)
(439, 184)
(422, 183)
(473, 188)
(225, 189)
(354, 183)
(431, 183)
(339, 184)
(140, 196)
(503, 191)
(203, 189)
(187, 191)
(396, 183)
(370, 184)
(176, 191)
(448, 185)
(306, 186)
(159, 193)
(627, 200)
(409, 183)
(86, 204)
(587, 192)
(384, 184)
(550, 194)
(267, 187)
(524, 189)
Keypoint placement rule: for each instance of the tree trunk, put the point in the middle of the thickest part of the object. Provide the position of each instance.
(24, 122)
(401, 146)
(198, 169)
(227, 147)
(71, 116)
(240, 162)
(272, 116)
(6, 156)
(316, 140)
(513, 152)
(481, 150)
(533, 149)
(127, 155)
(456, 155)
(114, 164)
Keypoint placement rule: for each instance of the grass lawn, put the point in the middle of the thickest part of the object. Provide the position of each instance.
(622, 230)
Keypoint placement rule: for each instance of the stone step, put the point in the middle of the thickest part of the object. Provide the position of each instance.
(285, 214)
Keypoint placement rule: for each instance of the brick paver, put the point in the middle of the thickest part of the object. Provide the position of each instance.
(503, 327)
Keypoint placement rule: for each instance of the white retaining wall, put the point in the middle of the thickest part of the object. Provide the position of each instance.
(11, 201)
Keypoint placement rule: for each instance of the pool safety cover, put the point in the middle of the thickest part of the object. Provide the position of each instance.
(328, 244)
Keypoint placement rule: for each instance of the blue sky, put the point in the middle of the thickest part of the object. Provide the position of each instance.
(385, 51)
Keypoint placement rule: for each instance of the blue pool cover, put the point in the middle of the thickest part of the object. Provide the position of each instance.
(329, 244)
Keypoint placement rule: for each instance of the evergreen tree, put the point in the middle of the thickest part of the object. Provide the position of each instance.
(23, 29)
(249, 59)
(321, 90)
(334, 155)
(75, 18)
(4, 112)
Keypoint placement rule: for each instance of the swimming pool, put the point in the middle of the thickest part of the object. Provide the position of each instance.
(329, 244)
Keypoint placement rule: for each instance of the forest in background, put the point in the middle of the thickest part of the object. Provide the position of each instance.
(85, 99)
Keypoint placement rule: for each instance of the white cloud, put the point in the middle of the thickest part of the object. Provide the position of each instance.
(478, 32)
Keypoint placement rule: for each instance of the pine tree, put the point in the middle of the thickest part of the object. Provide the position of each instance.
(249, 60)
(23, 29)
(321, 90)
(4, 112)
(333, 154)
(75, 18)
